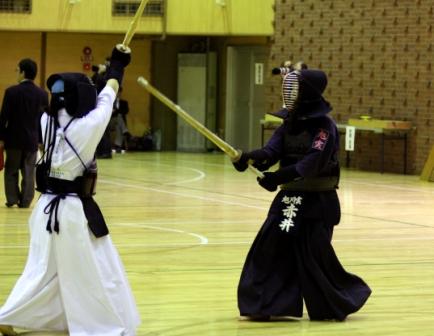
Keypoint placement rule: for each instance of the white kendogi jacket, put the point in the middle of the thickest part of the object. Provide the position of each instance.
(72, 280)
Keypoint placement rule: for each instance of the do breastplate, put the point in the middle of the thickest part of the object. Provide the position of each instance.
(295, 147)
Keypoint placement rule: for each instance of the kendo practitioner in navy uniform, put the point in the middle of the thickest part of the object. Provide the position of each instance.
(292, 258)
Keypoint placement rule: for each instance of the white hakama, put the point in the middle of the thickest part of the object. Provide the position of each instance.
(73, 281)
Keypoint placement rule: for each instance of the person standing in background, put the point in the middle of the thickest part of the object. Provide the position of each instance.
(119, 123)
(23, 105)
(104, 148)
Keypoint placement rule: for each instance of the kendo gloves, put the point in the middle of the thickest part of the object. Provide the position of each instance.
(120, 58)
(272, 180)
(262, 162)
(257, 158)
(242, 162)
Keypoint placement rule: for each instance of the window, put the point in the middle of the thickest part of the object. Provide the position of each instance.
(129, 7)
(16, 6)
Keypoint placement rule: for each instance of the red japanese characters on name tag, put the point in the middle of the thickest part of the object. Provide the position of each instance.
(320, 140)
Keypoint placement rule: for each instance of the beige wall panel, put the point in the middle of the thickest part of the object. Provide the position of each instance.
(138, 98)
(235, 17)
(65, 52)
(16, 46)
(199, 17)
(84, 16)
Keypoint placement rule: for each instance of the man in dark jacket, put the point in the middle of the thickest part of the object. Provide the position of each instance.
(21, 111)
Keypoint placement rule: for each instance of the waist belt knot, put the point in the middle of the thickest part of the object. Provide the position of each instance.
(51, 208)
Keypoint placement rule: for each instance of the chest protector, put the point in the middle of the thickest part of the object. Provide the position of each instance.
(297, 142)
(83, 186)
(295, 147)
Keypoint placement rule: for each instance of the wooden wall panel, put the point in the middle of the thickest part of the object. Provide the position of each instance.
(192, 17)
(65, 52)
(241, 17)
(16, 46)
(83, 16)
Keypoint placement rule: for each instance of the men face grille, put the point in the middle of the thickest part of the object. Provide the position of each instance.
(290, 89)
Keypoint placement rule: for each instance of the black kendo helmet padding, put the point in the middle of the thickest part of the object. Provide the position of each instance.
(310, 102)
(79, 92)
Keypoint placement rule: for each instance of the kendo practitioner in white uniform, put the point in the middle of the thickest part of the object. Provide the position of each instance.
(74, 279)
(292, 258)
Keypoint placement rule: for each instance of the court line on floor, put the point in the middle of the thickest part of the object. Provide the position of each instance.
(344, 179)
(237, 203)
(387, 220)
(208, 243)
(181, 194)
(203, 240)
(387, 186)
(200, 177)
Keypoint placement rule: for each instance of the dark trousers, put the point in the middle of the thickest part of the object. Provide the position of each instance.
(104, 149)
(283, 268)
(19, 161)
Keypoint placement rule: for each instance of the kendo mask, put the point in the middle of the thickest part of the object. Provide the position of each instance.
(73, 91)
(57, 100)
(302, 94)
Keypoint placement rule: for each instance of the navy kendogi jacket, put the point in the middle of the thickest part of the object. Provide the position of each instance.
(310, 146)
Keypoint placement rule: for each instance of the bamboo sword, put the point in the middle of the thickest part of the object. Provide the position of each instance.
(224, 146)
(133, 25)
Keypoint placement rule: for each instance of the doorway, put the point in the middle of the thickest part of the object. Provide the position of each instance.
(245, 99)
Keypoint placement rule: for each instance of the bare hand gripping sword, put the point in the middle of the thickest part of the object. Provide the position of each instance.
(224, 146)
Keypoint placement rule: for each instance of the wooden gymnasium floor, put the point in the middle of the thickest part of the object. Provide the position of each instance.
(183, 224)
